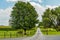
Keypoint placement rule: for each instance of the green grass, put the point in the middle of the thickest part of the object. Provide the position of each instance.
(51, 31)
(6, 32)
(5, 26)
(29, 32)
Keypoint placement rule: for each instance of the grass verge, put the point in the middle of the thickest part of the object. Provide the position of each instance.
(51, 31)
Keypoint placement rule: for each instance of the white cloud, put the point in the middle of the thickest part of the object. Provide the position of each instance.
(40, 0)
(40, 9)
(51, 7)
(11, 0)
(4, 16)
(17, 0)
(23, 0)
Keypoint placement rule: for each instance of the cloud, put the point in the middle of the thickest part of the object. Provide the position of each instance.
(17, 0)
(5, 15)
(12, 0)
(40, 9)
(40, 0)
(51, 7)
(23, 0)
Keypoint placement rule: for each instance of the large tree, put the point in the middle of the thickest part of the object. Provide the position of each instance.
(23, 16)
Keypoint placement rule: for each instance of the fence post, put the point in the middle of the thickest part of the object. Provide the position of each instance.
(10, 34)
(4, 35)
(0, 33)
(16, 35)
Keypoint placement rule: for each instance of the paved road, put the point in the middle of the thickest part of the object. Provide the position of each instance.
(52, 37)
(37, 36)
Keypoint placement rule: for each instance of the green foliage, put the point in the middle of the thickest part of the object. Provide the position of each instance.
(51, 31)
(57, 10)
(15, 34)
(23, 16)
(51, 17)
(56, 15)
(46, 18)
(40, 24)
(47, 22)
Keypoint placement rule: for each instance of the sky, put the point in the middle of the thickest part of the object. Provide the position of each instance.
(39, 5)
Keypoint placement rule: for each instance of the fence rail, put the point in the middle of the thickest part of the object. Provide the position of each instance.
(9, 35)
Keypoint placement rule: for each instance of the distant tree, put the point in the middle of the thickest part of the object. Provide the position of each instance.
(57, 13)
(54, 16)
(40, 24)
(23, 16)
(47, 22)
(46, 18)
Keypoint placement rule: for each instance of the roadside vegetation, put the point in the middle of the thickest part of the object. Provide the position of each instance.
(7, 32)
(51, 31)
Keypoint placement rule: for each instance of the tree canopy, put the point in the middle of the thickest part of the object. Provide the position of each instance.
(23, 16)
(52, 17)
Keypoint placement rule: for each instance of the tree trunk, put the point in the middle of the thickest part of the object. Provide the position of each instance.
(24, 31)
(47, 31)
